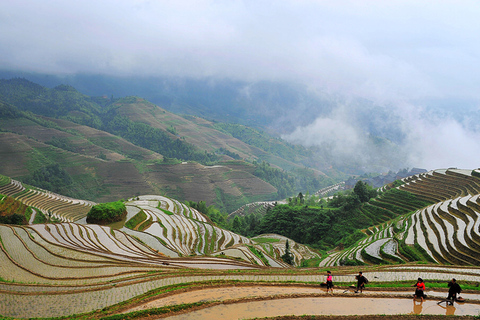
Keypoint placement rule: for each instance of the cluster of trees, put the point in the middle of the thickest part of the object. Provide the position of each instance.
(8, 111)
(308, 220)
(105, 213)
(305, 219)
(264, 141)
(61, 101)
(13, 219)
(50, 177)
(215, 215)
(287, 257)
(229, 153)
(62, 143)
(362, 192)
(246, 225)
(280, 179)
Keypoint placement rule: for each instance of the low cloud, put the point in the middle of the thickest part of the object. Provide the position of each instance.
(392, 53)
(442, 143)
(364, 48)
(425, 140)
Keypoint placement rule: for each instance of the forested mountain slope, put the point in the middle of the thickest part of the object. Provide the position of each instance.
(101, 174)
(105, 149)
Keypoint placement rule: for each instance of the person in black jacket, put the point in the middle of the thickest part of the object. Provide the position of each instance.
(361, 281)
(454, 289)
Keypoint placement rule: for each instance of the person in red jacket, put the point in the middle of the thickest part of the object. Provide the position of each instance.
(419, 291)
(329, 281)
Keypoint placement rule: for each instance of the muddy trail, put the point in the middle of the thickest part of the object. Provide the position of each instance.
(259, 301)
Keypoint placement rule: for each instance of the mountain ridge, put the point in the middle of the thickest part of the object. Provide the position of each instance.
(93, 155)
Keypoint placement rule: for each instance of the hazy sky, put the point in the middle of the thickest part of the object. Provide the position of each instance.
(396, 52)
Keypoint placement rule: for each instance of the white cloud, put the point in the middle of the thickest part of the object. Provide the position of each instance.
(368, 48)
(333, 130)
(442, 143)
(390, 52)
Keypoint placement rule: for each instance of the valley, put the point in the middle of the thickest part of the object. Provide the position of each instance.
(164, 248)
(209, 206)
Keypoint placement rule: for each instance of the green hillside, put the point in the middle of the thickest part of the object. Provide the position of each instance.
(430, 217)
(102, 150)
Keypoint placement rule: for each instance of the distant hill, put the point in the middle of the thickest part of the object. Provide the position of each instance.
(277, 108)
(106, 150)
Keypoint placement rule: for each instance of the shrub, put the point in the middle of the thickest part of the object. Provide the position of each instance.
(104, 213)
(350, 262)
(13, 219)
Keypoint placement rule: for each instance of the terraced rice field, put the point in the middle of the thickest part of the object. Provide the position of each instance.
(447, 231)
(88, 267)
(184, 231)
(82, 264)
(61, 269)
(138, 291)
(62, 208)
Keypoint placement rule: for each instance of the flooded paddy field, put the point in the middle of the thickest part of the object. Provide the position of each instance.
(231, 288)
(258, 291)
(325, 306)
(257, 301)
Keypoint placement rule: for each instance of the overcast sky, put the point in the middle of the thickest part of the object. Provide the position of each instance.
(395, 51)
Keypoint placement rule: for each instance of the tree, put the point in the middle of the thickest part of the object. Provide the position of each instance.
(361, 191)
(287, 256)
(237, 225)
(300, 198)
(105, 213)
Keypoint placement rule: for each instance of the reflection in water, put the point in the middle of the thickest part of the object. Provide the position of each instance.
(449, 310)
(417, 307)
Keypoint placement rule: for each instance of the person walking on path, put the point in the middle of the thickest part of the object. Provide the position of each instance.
(329, 281)
(361, 281)
(419, 291)
(454, 289)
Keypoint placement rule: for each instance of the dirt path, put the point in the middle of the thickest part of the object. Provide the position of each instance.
(32, 217)
(225, 293)
(368, 317)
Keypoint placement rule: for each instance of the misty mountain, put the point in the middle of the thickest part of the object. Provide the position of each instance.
(355, 135)
(281, 106)
(277, 106)
(106, 148)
